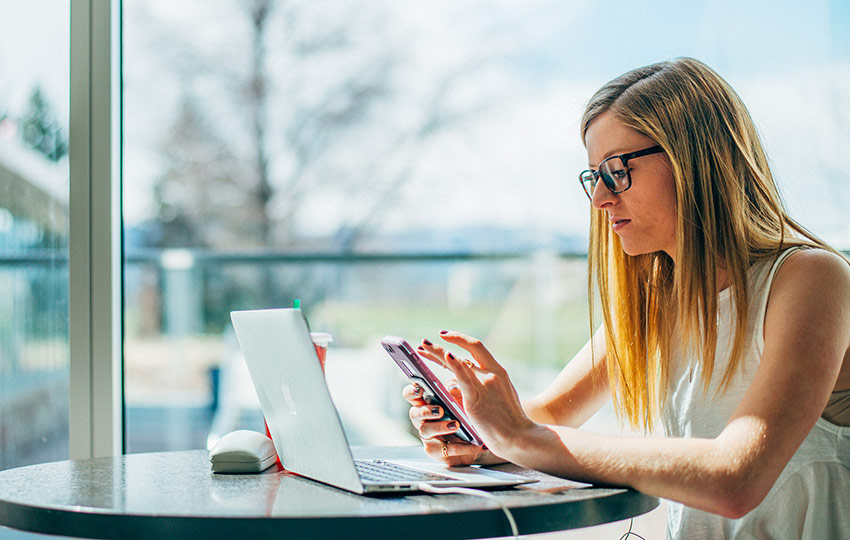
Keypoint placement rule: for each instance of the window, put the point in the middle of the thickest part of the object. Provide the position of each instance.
(405, 168)
(34, 224)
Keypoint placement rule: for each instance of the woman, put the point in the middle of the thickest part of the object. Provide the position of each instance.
(723, 318)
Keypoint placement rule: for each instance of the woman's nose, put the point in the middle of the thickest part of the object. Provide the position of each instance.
(602, 196)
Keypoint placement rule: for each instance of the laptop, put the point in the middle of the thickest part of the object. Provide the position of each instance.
(305, 426)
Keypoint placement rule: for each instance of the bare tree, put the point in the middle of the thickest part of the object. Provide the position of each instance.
(257, 91)
(293, 127)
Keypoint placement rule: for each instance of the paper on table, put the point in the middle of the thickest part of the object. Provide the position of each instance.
(545, 482)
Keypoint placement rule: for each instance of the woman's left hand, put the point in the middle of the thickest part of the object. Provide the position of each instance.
(489, 397)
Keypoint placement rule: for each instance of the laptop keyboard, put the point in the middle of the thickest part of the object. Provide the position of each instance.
(376, 470)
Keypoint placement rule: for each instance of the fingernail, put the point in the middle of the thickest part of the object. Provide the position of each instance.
(417, 389)
(452, 356)
(420, 348)
(443, 332)
(451, 425)
(435, 410)
(426, 342)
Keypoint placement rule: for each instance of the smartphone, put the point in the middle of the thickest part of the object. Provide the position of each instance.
(434, 392)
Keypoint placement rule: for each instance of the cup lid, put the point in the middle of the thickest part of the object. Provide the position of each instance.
(321, 338)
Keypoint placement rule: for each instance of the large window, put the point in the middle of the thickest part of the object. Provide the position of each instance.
(403, 168)
(34, 353)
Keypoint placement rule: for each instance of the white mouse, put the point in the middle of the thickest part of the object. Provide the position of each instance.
(243, 451)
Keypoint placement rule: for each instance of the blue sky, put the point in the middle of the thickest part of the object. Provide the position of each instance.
(599, 40)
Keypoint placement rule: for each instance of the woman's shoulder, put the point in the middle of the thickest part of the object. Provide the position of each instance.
(814, 262)
(816, 272)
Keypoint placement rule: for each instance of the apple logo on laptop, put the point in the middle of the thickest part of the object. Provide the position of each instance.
(287, 397)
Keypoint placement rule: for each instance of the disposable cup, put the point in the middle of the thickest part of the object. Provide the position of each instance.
(320, 342)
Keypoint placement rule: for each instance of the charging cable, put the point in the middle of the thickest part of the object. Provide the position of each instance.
(629, 533)
(428, 488)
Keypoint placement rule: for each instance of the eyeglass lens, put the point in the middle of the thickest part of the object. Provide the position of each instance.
(613, 172)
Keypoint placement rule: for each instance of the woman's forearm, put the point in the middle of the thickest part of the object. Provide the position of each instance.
(702, 473)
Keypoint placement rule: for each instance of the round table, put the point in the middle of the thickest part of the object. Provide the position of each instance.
(174, 495)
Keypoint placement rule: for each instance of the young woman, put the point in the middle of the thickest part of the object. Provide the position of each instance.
(723, 319)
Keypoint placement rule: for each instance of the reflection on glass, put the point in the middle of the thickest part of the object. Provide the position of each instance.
(365, 157)
(34, 94)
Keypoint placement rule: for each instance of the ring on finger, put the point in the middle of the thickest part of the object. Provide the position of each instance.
(445, 449)
(468, 363)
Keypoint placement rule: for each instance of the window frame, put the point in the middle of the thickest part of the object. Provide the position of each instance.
(95, 312)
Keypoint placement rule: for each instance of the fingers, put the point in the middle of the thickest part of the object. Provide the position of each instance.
(438, 437)
(437, 429)
(429, 351)
(428, 420)
(452, 452)
(438, 354)
(454, 390)
(425, 412)
(434, 353)
(464, 370)
(473, 346)
(412, 393)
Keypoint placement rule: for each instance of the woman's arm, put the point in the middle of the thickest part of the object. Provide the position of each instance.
(807, 335)
(577, 392)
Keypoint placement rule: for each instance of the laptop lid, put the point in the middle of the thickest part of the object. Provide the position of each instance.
(304, 424)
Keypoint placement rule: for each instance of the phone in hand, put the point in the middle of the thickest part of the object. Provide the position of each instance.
(434, 391)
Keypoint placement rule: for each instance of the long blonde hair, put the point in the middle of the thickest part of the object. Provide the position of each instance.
(729, 215)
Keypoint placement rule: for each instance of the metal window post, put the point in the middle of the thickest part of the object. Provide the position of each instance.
(95, 230)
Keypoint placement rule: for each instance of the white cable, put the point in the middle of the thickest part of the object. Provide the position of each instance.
(424, 486)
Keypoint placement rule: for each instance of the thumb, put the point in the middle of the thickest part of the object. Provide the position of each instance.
(454, 390)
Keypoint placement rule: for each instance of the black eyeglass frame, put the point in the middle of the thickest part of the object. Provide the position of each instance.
(608, 181)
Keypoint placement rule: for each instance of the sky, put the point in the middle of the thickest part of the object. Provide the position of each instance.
(34, 49)
(515, 165)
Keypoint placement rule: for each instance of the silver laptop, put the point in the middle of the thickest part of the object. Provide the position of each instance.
(305, 425)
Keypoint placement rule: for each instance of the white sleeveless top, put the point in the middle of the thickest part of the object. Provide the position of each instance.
(811, 498)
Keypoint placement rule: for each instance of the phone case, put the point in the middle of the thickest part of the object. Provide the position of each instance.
(434, 391)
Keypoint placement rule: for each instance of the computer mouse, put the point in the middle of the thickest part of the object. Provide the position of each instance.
(243, 451)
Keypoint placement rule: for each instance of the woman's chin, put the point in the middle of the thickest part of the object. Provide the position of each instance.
(633, 251)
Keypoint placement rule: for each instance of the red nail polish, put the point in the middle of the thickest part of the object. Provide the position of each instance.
(443, 332)
(426, 342)
(452, 356)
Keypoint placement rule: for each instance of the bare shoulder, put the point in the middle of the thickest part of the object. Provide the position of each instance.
(808, 270)
(811, 292)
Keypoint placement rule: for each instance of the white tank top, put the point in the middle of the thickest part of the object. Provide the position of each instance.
(811, 498)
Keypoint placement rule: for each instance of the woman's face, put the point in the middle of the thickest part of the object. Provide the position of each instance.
(643, 216)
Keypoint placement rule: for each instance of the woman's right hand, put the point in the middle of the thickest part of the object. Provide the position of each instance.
(438, 435)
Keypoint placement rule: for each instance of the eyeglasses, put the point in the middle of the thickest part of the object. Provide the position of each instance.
(614, 172)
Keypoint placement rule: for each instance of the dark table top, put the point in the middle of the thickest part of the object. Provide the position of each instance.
(174, 495)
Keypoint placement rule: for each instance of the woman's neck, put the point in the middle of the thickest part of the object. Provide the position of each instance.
(722, 279)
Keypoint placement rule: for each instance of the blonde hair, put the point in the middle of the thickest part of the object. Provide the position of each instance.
(729, 215)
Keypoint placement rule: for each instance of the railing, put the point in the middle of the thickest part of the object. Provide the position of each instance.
(530, 306)
(179, 300)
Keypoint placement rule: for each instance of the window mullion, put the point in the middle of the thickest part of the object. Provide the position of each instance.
(95, 246)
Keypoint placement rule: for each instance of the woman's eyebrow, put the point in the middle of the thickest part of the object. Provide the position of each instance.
(611, 153)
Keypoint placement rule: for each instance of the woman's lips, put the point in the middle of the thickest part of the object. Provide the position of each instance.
(618, 224)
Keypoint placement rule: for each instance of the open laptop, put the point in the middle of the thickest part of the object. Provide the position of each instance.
(305, 426)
